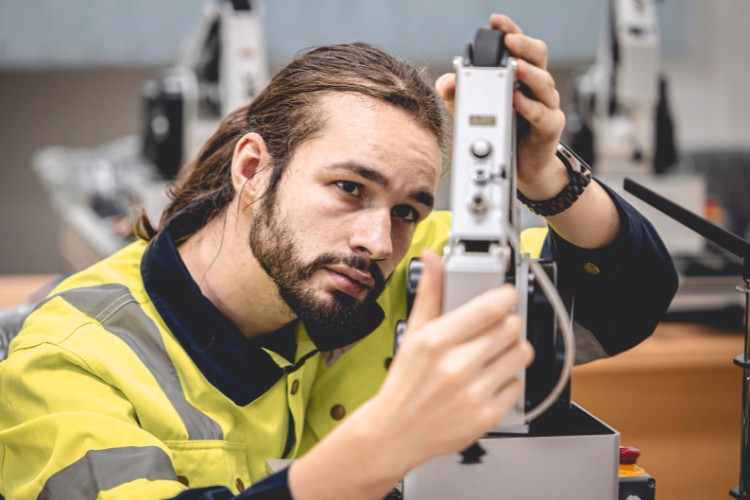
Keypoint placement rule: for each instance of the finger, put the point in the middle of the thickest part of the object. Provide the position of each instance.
(428, 303)
(476, 357)
(506, 368)
(514, 358)
(504, 337)
(546, 124)
(505, 398)
(496, 403)
(541, 84)
(501, 385)
(445, 86)
(504, 23)
(495, 342)
(530, 49)
(476, 316)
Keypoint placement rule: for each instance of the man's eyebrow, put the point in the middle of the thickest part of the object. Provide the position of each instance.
(365, 172)
(420, 196)
(424, 198)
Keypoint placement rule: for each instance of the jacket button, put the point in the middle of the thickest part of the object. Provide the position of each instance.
(239, 484)
(388, 362)
(591, 268)
(295, 387)
(184, 480)
(338, 412)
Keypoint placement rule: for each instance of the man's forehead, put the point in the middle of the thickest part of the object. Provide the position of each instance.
(345, 104)
(354, 114)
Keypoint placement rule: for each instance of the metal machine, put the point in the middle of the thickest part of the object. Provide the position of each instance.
(94, 190)
(622, 126)
(484, 249)
(547, 447)
(623, 95)
(222, 67)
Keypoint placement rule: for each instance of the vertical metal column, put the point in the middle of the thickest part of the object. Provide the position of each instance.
(743, 488)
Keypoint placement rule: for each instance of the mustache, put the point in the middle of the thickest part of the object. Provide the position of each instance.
(353, 261)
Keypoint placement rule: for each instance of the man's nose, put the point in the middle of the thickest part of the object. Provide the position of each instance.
(373, 235)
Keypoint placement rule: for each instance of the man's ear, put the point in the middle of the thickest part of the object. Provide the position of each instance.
(249, 161)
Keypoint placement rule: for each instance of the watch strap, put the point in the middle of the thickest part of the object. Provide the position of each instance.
(580, 177)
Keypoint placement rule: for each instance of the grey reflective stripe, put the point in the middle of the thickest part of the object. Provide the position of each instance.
(102, 470)
(115, 308)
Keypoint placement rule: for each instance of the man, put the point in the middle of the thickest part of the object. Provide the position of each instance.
(258, 321)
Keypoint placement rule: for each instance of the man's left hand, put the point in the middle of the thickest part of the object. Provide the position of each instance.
(540, 174)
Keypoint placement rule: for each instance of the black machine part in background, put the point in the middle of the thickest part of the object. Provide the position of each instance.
(666, 153)
(163, 125)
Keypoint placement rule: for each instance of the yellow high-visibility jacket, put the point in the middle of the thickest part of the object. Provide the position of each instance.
(99, 399)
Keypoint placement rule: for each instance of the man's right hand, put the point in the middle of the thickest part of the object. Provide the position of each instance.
(454, 378)
(456, 375)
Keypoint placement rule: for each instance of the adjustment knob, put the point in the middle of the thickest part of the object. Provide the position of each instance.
(481, 148)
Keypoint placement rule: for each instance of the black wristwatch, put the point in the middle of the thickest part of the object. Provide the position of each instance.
(580, 177)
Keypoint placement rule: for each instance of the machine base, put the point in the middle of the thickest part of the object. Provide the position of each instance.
(567, 455)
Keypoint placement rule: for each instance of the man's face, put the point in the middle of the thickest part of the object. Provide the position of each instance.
(345, 211)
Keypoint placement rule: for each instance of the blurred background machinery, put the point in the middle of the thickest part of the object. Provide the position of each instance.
(129, 98)
(106, 111)
(622, 123)
(96, 191)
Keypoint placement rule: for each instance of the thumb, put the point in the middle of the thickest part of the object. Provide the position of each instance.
(428, 304)
(445, 86)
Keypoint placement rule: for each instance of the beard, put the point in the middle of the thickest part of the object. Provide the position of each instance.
(332, 319)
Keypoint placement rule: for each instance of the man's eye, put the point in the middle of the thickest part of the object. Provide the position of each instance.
(405, 212)
(352, 188)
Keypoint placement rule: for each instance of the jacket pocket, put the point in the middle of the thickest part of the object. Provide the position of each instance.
(211, 463)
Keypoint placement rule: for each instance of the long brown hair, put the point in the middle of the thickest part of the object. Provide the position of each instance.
(284, 115)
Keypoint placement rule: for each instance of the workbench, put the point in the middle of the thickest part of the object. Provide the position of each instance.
(678, 398)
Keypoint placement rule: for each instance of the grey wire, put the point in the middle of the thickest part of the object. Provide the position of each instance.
(563, 320)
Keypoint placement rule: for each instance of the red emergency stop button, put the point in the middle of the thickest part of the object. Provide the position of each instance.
(629, 455)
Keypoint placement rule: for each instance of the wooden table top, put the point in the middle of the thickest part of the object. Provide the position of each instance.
(18, 289)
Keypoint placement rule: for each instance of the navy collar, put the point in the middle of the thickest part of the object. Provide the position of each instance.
(234, 364)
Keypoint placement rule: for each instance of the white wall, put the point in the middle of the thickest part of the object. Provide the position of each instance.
(710, 80)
